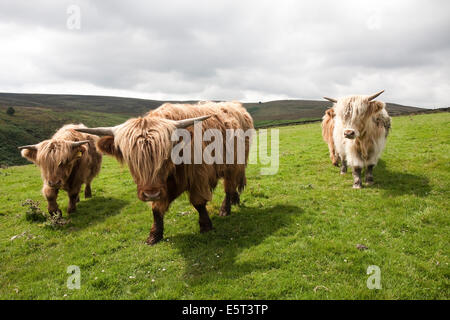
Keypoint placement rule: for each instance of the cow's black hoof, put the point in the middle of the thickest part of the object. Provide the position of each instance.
(153, 239)
(71, 210)
(206, 227)
(54, 213)
(223, 212)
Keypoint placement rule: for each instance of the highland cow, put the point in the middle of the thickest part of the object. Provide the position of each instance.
(327, 134)
(67, 160)
(145, 144)
(361, 127)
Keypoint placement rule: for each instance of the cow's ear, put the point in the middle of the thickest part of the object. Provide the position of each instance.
(377, 106)
(106, 145)
(29, 154)
(330, 112)
(79, 151)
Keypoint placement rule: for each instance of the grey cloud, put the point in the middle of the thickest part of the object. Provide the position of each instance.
(230, 50)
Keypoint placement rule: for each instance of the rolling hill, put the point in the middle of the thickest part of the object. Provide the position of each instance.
(38, 116)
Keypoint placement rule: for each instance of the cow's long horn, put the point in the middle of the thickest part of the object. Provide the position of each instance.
(189, 122)
(375, 95)
(100, 131)
(330, 99)
(31, 147)
(79, 143)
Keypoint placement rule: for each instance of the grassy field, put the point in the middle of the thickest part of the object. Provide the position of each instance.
(293, 237)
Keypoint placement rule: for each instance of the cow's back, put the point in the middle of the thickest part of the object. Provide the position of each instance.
(230, 115)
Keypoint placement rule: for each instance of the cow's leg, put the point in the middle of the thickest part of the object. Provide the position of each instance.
(344, 166)
(369, 174)
(199, 199)
(157, 230)
(357, 182)
(231, 197)
(225, 209)
(338, 160)
(87, 191)
(51, 195)
(203, 218)
(334, 158)
(159, 208)
(74, 198)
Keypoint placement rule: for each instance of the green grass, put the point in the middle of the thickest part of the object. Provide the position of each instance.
(274, 123)
(295, 231)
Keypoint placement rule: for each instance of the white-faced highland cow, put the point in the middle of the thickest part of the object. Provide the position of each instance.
(361, 127)
(67, 160)
(144, 144)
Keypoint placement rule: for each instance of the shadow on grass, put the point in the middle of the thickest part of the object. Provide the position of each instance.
(215, 255)
(400, 183)
(95, 210)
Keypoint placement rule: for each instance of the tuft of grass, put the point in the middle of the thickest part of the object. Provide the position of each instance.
(56, 221)
(34, 212)
(303, 233)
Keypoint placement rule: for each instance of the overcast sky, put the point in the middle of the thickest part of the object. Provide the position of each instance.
(228, 50)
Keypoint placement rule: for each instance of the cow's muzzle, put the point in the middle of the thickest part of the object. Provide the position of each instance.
(149, 196)
(54, 184)
(349, 134)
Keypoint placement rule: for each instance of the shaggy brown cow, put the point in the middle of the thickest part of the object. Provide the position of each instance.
(145, 145)
(327, 134)
(67, 160)
(361, 127)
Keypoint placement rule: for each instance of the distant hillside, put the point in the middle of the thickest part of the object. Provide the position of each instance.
(266, 111)
(38, 116)
(282, 111)
(130, 106)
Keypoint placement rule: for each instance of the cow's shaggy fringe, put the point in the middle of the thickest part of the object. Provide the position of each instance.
(355, 110)
(144, 144)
